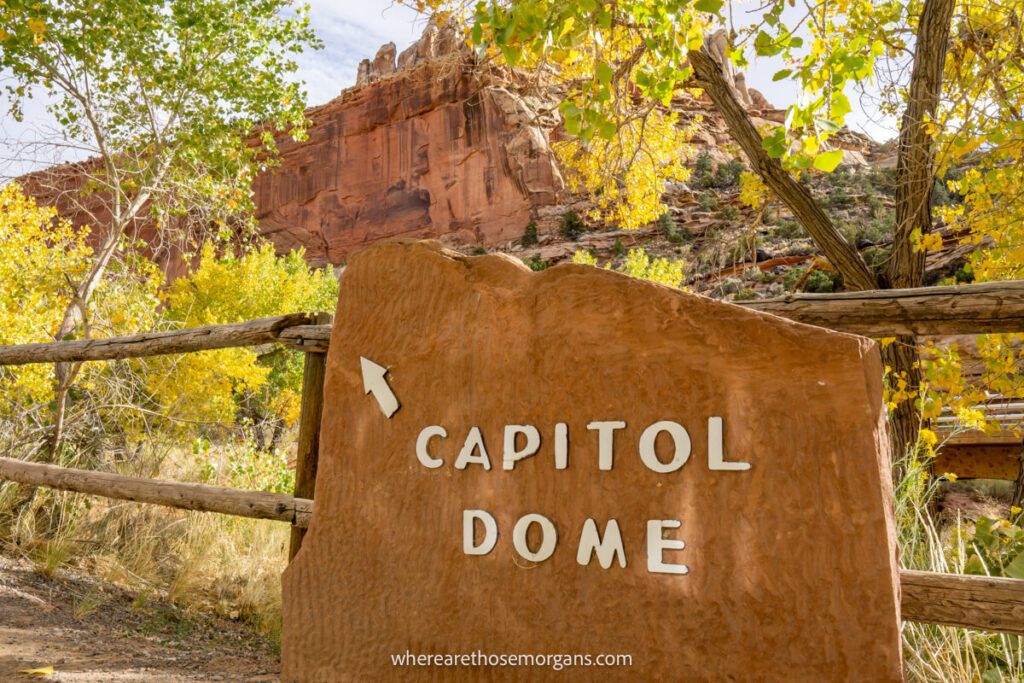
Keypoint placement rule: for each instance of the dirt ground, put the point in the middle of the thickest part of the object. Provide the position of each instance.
(90, 632)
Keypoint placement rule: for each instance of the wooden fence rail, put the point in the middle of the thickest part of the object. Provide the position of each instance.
(289, 330)
(201, 497)
(965, 309)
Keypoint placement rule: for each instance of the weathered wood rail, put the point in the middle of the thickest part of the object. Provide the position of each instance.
(964, 309)
(986, 603)
(295, 330)
(200, 497)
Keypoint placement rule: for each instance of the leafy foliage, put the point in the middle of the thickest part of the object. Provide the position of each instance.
(208, 386)
(640, 265)
(571, 226)
(38, 251)
(529, 237)
(164, 91)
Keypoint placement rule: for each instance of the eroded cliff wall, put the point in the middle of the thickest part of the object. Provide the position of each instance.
(427, 151)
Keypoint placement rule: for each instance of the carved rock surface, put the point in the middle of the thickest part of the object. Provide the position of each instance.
(428, 152)
(792, 567)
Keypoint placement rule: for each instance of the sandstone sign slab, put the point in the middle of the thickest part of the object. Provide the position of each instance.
(573, 464)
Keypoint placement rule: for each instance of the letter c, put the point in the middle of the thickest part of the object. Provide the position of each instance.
(423, 440)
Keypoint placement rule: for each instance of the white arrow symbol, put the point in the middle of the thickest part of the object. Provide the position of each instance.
(374, 382)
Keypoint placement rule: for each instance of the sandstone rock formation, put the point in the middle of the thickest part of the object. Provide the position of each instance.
(383, 65)
(483, 342)
(430, 150)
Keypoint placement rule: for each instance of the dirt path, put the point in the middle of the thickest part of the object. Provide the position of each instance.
(89, 632)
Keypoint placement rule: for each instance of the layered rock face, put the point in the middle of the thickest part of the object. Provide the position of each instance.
(429, 150)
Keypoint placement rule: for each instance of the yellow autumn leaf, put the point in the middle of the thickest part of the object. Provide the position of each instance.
(38, 673)
(37, 26)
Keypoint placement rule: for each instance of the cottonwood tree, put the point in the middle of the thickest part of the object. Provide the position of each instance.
(641, 53)
(174, 103)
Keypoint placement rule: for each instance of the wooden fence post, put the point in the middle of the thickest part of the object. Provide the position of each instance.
(308, 451)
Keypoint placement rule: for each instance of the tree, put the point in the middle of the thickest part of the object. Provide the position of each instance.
(643, 52)
(175, 101)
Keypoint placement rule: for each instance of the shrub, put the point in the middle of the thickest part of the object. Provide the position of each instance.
(745, 294)
(701, 177)
(788, 229)
(535, 263)
(729, 213)
(877, 258)
(728, 174)
(668, 228)
(707, 201)
(821, 281)
(792, 278)
(964, 274)
(572, 226)
(529, 238)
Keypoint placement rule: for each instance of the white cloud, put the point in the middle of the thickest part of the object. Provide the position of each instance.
(352, 31)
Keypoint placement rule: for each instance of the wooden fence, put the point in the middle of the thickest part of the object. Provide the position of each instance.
(994, 604)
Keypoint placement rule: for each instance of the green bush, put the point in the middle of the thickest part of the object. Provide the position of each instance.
(701, 177)
(745, 294)
(792, 277)
(572, 226)
(821, 281)
(668, 228)
(729, 213)
(877, 258)
(535, 263)
(529, 238)
(707, 201)
(788, 229)
(964, 274)
(728, 174)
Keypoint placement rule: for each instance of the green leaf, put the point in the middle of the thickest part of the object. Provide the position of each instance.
(1015, 570)
(765, 46)
(604, 73)
(512, 54)
(709, 6)
(827, 161)
(779, 75)
(606, 129)
(775, 144)
(840, 106)
(975, 566)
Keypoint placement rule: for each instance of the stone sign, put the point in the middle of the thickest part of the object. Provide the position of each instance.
(576, 475)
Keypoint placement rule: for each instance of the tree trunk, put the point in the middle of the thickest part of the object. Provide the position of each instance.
(819, 226)
(914, 176)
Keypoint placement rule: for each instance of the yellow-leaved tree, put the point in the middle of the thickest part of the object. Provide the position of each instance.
(38, 253)
(239, 384)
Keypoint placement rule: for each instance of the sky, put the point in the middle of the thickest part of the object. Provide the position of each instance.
(351, 31)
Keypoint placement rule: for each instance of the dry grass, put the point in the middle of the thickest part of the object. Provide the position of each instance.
(227, 565)
(944, 653)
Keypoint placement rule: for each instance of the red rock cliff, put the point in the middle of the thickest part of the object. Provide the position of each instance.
(427, 151)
